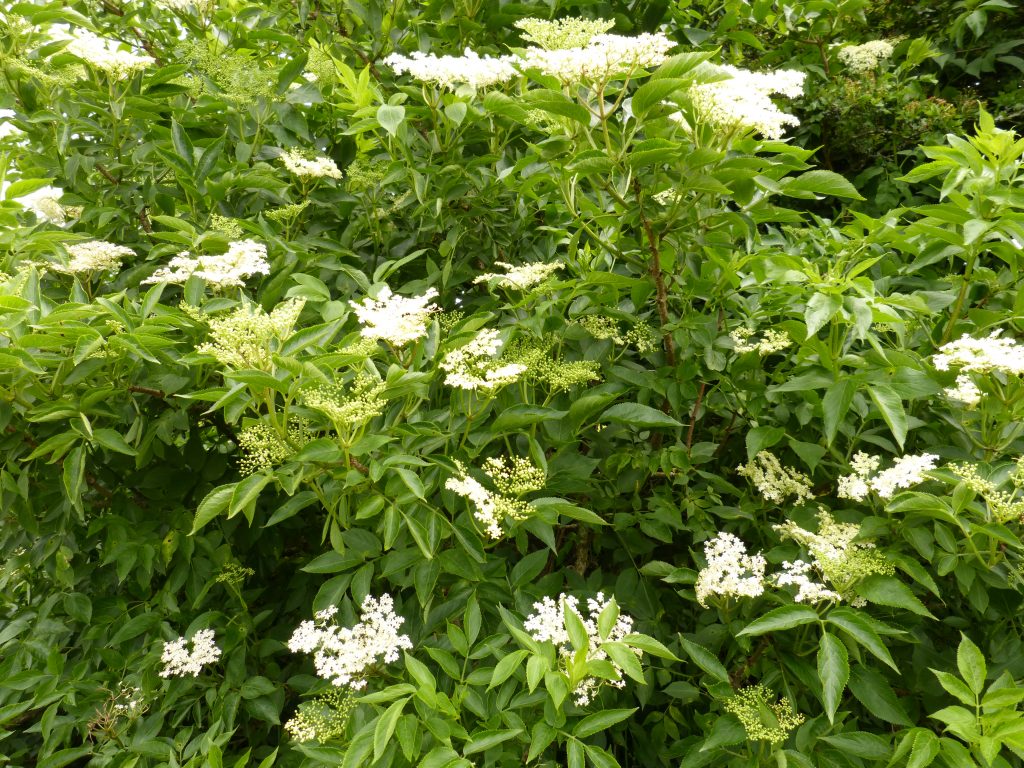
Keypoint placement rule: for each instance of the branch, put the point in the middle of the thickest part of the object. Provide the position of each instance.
(661, 291)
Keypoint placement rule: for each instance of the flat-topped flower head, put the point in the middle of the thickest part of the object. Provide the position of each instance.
(522, 277)
(512, 477)
(966, 392)
(866, 56)
(398, 320)
(743, 102)
(248, 336)
(764, 717)
(905, 472)
(179, 661)
(770, 341)
(243, 259)
(560, 34)
(94, 256)
(452, 71)
(774, 481)
(45, 204)
(547, 624)
(730, 571)
(106, 56)
(345, 655)
(603, 58)
(985, 355)
(306, 167)
(472, 366)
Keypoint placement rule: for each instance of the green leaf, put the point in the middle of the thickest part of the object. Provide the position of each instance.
(925, 750)
(506, 667)
(385, 727)
(813, 183)
(851, 622)
(971, 663)
(835, 405)
(705, 659)
(833, 672)
(890, 405)
(213, 504)
(860, 744)
(872, 690)
(785, 617)
(600, 721)
(890, 591)
(484, 740)
(956, 687)
(636, 415)
(182, 144)
(390, 117)
(821, 308)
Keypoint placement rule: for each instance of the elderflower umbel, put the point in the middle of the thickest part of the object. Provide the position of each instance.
(304, 167)
(1003, 506)
(94, 256)
(45, 204)
(991, 353)
(730, 571)
(179, 661)
(559, 374)
(743, 101)
(965, 391)
(243, 259)
(521, 277)
(865, 57)
(344, 655)
(603, 58)
(774, 481)
(350, 406)
(471, 366)
(512, 477)
(396, 319)
(559, 34)
(183, 6)
(104, 55)
(838, 559)
(548, 625)
(246, 338)
(263, 446)
(452, 71)
(763, 716)
(324, 718)
(905, 472)
(771, 341)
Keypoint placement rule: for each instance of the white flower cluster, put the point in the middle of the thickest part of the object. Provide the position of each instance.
(548, 625)
(94, 256)
(512, 479)
(567, 32)
(991, 353)
(836, 558)
(865, 57)
(183, 6)
(965, 391)
(343, 655)
(105, 55)
(730, 571)
(398, 320)
(248, 336)
(178, 661)
(243, 259)
(451, 71)
(770, 341)
(743, 101)
(521, 277)
(905, 472)
(45, 204)
(604, 58)
(799, 574)
(321, 167)
(472, 367)
(774, 481)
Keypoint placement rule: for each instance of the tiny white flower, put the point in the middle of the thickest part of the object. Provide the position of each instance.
(179, 661)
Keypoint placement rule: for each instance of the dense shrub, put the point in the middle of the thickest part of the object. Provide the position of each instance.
(540, 405)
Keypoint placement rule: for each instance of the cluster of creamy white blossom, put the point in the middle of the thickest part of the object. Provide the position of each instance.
(396, 319)
(965, 391)
(319, 167)
(179, 661)
(774, 481)
(472, 366)
(45, 204)
(452, 71)
(744, 100)
(106, 56)
(905, 472)
(730, 571)
(522, 277)
(572, 50)
(243, 259)
(771, 341)
(985, 355)
(547, 624)
(344, 655)
(248, 336)
(866, 56)
(512, 477)
(94, 256)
